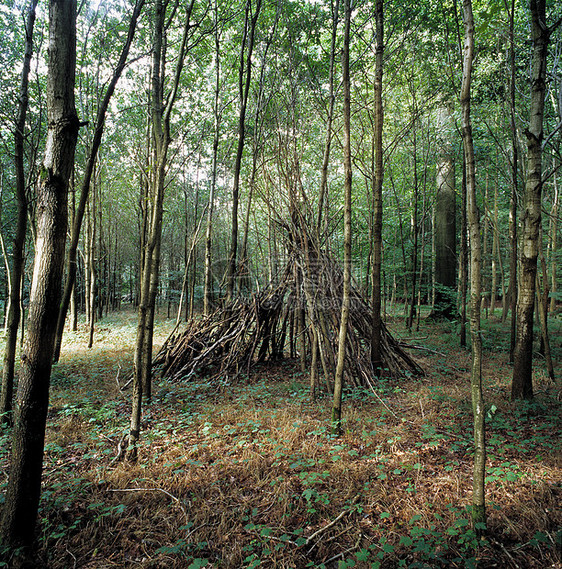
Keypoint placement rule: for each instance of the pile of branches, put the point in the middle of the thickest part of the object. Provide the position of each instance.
(228, 341)
(301, 313)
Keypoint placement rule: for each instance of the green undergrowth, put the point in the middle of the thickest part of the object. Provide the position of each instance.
(246, 474)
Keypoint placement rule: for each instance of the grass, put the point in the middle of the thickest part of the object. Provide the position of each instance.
(247, 475)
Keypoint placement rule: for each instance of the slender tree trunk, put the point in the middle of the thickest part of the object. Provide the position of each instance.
(346, 301)
(495, 255)
(161, 116)
(244, 80)
(415, 230)
(18, 249)
(376, 290)
(331, 103)
(479, 412)
(24, 483)
(554, 246)
(91, 273)
(8, 294)
(463, 262)
(542, 297)
(485, 257)
(512, 287)
(207, 289)
(522, 384)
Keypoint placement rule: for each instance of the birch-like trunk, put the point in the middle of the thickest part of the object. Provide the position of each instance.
(522, 384)
(479, 471)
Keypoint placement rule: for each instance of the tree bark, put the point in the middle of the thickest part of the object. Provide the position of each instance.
(160, 116)
(463, 261)
(340, 364)
(24, 484)
(512, 287)
(554, 246)
(207, 289)
(244, 79)
(88, 171)
(445, 228)
(376, 348)
(479, 413)
(522, 383)
(331, 103)
(18, 250)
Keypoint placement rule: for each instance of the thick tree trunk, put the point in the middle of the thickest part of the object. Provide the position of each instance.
(445, 229)
(24, 484)
(71, 261)
(18, 249)
(479, 412)
(522, 384)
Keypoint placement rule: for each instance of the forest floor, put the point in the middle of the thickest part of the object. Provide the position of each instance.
(246, 474)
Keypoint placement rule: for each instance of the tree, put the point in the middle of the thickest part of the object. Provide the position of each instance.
(512, 287)
(522, 383)
(244, 79)
(160, 111)
(479, 413)
(24, 484)
(346, 300)
(18, 253)
(445, 225)
(376, 356)
(89, 170)
(207, 291)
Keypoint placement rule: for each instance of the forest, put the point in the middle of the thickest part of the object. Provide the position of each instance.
(280, 284)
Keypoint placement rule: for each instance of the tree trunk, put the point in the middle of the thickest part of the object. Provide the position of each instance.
(495, 255)
(24, 483)
(207, 289)
(244, 91)
(71, 262)
(91, 273)
(415, 230)
(542, 298)
(338, 377)
(445, 228)
(463, 261)
(331, 102)
(18, 250)
(486, 224)
(479, 412)
(522, 384)
(160, 115)
(512, 287)
(376, 290)
(554, 246)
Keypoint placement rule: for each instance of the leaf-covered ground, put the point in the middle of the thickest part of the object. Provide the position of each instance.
(247, 475)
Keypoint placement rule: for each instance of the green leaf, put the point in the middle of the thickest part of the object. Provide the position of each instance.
(198, 563)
